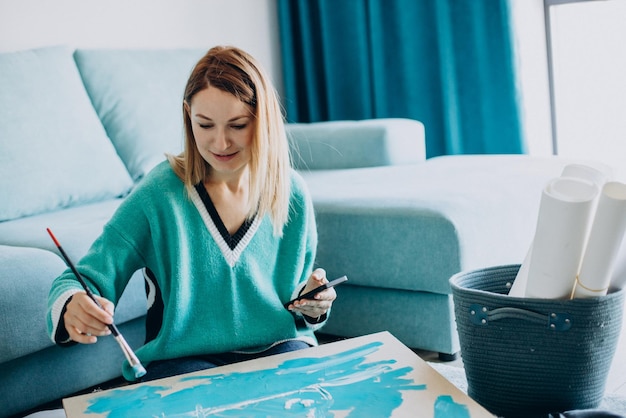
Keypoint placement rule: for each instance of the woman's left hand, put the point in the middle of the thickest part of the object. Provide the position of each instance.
(315, 308)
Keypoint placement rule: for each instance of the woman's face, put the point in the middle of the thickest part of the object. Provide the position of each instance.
(223, 128)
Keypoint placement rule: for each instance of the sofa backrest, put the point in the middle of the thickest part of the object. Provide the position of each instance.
(82, 126)
(138, 95)
(54, 151)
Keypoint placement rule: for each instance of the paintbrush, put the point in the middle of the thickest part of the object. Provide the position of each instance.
(138, 369)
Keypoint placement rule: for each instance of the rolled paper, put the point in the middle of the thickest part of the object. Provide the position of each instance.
(585, 172)
(605, 239)
(581, 171)
(560, 236)
(618, 281)
(518, 289)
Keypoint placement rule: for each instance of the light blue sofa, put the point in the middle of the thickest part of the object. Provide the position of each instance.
(79, 128)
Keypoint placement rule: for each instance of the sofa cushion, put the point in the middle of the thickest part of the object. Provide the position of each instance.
(54, 150)
(26, 277)
(138, 95)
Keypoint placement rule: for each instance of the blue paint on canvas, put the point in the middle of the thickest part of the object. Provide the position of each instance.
(445, 407)
(312, 387)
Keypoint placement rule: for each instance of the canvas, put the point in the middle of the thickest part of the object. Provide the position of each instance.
(374, 375)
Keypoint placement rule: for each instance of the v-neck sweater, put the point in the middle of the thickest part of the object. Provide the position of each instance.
(215, 299)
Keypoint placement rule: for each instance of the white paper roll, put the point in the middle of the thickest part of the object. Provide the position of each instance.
(585, 172)
(562, 224)
(579, 171)
(618, 280)
(604, 242)
(518, 289)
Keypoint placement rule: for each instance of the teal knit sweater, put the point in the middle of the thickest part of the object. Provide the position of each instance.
(216, 299)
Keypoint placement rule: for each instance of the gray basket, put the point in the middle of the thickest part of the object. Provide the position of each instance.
(528, 357)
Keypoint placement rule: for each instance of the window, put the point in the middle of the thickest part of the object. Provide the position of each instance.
(587, 69)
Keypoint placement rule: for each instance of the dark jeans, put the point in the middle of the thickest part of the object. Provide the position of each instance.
(166, 368)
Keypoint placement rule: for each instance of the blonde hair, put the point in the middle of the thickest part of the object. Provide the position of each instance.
(234, 71)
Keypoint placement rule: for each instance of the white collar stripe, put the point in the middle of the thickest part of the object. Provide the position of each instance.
(233, 255)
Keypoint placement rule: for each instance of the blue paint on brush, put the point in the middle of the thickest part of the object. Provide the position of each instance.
(139, 371)
(299, 387)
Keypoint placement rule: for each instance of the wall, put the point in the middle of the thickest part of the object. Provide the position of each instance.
(249, 24)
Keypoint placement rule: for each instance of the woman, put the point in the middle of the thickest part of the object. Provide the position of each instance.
(225, 234)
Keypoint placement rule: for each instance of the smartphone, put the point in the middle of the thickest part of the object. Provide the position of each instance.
(310, 294)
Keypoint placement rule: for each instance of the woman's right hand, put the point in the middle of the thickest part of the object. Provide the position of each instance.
(85, 321)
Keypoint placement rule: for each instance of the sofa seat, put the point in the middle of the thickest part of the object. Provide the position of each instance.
(480, 208)
(404, 230)
(75, 227)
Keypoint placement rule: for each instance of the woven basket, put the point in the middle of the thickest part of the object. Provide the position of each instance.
(528, 357)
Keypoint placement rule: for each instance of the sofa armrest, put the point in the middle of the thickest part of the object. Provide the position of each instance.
(356, 144)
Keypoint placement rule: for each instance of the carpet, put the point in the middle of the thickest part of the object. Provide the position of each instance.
(456, 375)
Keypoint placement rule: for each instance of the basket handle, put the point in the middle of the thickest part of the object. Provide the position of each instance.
(482, 316)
